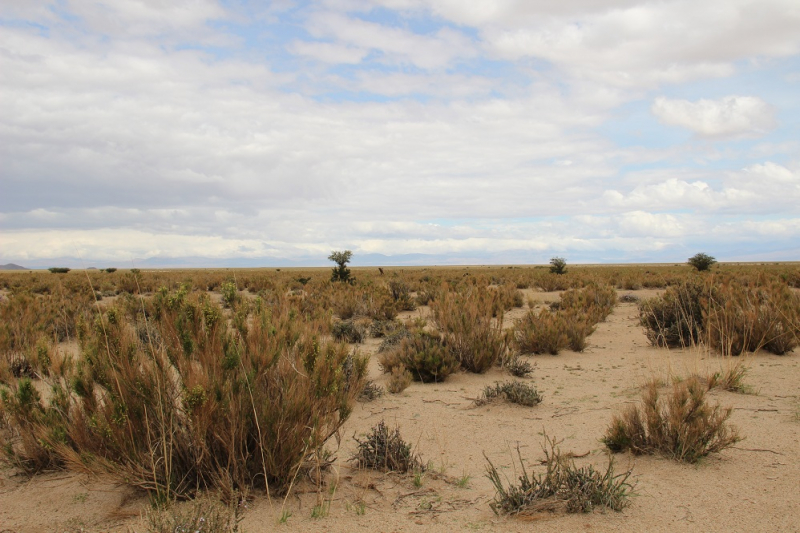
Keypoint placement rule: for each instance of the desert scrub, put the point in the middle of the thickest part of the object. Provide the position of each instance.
(200, 404)
(682, 426)
(517, 366)
(349, 331)
(370, 392)
(474, 338)
(538, 333)
(384, 449)
(562, 486)
(203, 514)
(399, 380)
(510, 391)
(424, 354)
(675, 319)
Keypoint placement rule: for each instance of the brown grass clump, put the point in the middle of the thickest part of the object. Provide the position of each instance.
(472, 335)
(399, 380)
(196, 405)
(681, 426)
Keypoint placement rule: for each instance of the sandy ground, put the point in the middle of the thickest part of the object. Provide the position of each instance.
(754, 486)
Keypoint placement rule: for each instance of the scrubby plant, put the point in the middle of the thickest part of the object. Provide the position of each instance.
(562, 486)
(701, 262)
(471, 332)
(349, 331)
(399, 380)
(682, 426)
(230, 293)
(510, 391)
(199, 405)
(59, 270)
(519, 367)
(539, 333)
(558, 265)
(384, 449)
(202, 515)
(676, 318)
(370, 392)
(341, 272)
(424, 354)
(401, 294)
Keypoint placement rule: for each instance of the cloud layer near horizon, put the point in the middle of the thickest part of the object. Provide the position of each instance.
(637, 131)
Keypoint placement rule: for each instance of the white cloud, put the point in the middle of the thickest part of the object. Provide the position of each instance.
(728, 117)
(328, 52)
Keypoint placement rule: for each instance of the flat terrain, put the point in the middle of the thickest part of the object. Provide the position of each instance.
(750, 487)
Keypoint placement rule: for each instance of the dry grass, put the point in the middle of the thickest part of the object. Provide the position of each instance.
(682, 426)
(562, 486)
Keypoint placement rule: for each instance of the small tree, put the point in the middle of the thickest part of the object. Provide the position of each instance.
(558, 265)
(701, 261)
(341, 272)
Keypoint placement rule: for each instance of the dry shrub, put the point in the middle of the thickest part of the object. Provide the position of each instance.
(399, 380)
(370, 392)
(731, 315)
(349, 331)
(204, 514)
(382, 449)
(682, 426)
(567, 323)
(424, 354)
(540, 333)
(519, 367)
(200, 406)
(472, 335)
(674, 319)
(510, 391)
(562, 486)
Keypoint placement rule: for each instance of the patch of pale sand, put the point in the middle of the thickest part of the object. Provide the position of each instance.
(752, 487)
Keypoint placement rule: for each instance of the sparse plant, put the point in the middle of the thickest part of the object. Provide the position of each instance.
(463, 481)
(424, 354)
(558, 265)
(519, 367)
(341, 272)
(384, 449)
(512, 391)
(701, 262)
(370, 392)
(349, 331)
(399, 380)
(563, 486)
(682, 426)
(204, 514)
(230, 294)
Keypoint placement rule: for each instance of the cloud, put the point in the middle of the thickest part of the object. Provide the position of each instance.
(728, 117)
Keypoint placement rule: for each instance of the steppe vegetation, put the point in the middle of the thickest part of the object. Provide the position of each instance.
(185, 381)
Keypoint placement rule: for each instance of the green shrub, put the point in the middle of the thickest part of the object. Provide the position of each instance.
(562, 486)
(423, 354)
(682, 426)
(701, 262)
(558, 265)
(341, 273)
(59, 270)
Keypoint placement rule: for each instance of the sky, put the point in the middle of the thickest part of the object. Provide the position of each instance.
(236, 133)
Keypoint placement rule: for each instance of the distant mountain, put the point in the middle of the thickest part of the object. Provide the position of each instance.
(12, 266)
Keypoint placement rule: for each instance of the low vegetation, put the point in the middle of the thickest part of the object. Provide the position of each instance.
(511, 391)
(384, 449)
(682, 426)
(563, 486)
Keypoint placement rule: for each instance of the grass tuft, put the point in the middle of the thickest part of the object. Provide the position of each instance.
(563, 486)
(511, 391)
(382, 449)
(682, 426)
